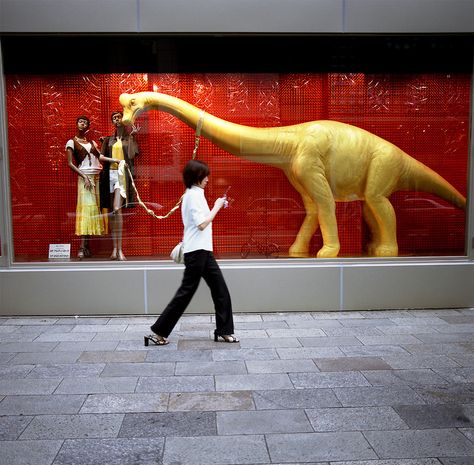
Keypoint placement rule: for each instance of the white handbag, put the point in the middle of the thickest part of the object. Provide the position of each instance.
(177, 254)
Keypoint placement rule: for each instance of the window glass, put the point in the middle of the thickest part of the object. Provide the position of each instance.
(425, 114)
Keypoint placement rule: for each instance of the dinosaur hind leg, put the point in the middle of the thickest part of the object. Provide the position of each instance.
(371, 221)
(381, 182)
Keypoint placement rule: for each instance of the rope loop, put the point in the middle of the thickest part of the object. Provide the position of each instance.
(178, 203)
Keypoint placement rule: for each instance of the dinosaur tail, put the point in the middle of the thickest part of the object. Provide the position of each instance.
(421, 178)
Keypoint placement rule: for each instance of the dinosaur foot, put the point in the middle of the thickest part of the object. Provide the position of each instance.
(384, 250)
(328, 251)
(298, 252)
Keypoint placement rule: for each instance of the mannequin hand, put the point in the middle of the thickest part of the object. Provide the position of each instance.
(135, 129)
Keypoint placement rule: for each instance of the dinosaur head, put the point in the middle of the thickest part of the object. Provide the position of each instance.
(133, 105)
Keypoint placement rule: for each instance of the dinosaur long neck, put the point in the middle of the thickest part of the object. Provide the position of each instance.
(255, 144)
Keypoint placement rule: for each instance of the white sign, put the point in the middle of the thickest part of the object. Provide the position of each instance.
(57, 251)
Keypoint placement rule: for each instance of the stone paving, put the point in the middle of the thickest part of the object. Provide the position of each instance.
(351, 388)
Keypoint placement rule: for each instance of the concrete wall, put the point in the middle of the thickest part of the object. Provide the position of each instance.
(238, 16)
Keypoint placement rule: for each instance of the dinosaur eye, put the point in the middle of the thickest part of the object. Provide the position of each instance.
(132, 102)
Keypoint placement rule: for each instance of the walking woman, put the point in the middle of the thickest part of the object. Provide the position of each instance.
(199, 260)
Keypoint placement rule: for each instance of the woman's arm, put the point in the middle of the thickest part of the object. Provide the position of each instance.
(218, 204)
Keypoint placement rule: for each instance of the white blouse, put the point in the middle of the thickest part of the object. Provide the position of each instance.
(194, 211)
(92, 166)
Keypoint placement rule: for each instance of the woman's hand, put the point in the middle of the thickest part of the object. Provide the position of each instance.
(220, 202)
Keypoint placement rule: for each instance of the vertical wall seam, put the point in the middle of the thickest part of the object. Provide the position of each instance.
(145, 291)
(138, 16)
(341, 288)
(344, 13)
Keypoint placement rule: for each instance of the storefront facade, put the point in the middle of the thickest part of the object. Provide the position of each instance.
(364, 139)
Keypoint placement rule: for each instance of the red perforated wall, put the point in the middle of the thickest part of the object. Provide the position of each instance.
(425, 115)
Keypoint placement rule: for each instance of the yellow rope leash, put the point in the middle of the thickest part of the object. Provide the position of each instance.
(196, 145)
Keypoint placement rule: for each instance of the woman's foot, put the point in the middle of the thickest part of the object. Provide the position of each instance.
(114, 255)
(156, 339)
(121, 257)
(225, 337)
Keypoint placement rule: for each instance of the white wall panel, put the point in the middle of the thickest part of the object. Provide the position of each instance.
(68, 16)
(437, 285)
(241, 16)
(71, 292)
(410, 16)
(318, 287)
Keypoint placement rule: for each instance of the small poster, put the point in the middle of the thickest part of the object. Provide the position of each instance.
(59, 251)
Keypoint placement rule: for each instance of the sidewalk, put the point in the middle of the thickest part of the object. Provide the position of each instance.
(352, 388)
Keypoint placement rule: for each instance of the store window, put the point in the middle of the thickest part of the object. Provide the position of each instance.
(425, 113)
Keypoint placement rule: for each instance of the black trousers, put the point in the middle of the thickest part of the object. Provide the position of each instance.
(198, 264)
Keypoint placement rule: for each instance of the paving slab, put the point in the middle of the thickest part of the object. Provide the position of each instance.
(97, 385)
(28, 386)
(124, 403)
(451, 394)
(328, 380)
(318, 446)
(111, 357)
(351, 364)
(263, 422)
(146, 369)
(458, 461)
(244, 354)
(153, 425)
(268, 342)
(420, 443)
(41, 405)
(211, 401)
(378, 396)
(12, 426)
(73, 426)
(231, 450)
(29, 452)
(392, 462)
(423, 377)
(295, 399)
(170, 354)
(330, 341)
(111, 451)
(210, 368)
(355, 419)
(281, 366)
(67, 370)
(436, 416)
(176, 384)
(252, 382)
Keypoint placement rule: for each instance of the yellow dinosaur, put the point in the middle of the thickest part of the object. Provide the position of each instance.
(325, 161)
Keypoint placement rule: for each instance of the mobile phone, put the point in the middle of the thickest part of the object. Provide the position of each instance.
(226, 202)
(226, 191)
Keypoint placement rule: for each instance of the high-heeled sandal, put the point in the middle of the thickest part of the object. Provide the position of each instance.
(155, 339)
(230, 338)
(81, 253)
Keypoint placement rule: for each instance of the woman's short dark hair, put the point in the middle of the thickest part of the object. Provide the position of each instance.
(115, 113)
(85, 118)
(194, 172)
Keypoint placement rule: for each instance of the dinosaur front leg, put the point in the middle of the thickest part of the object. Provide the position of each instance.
(318, 187)
(300, 247)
